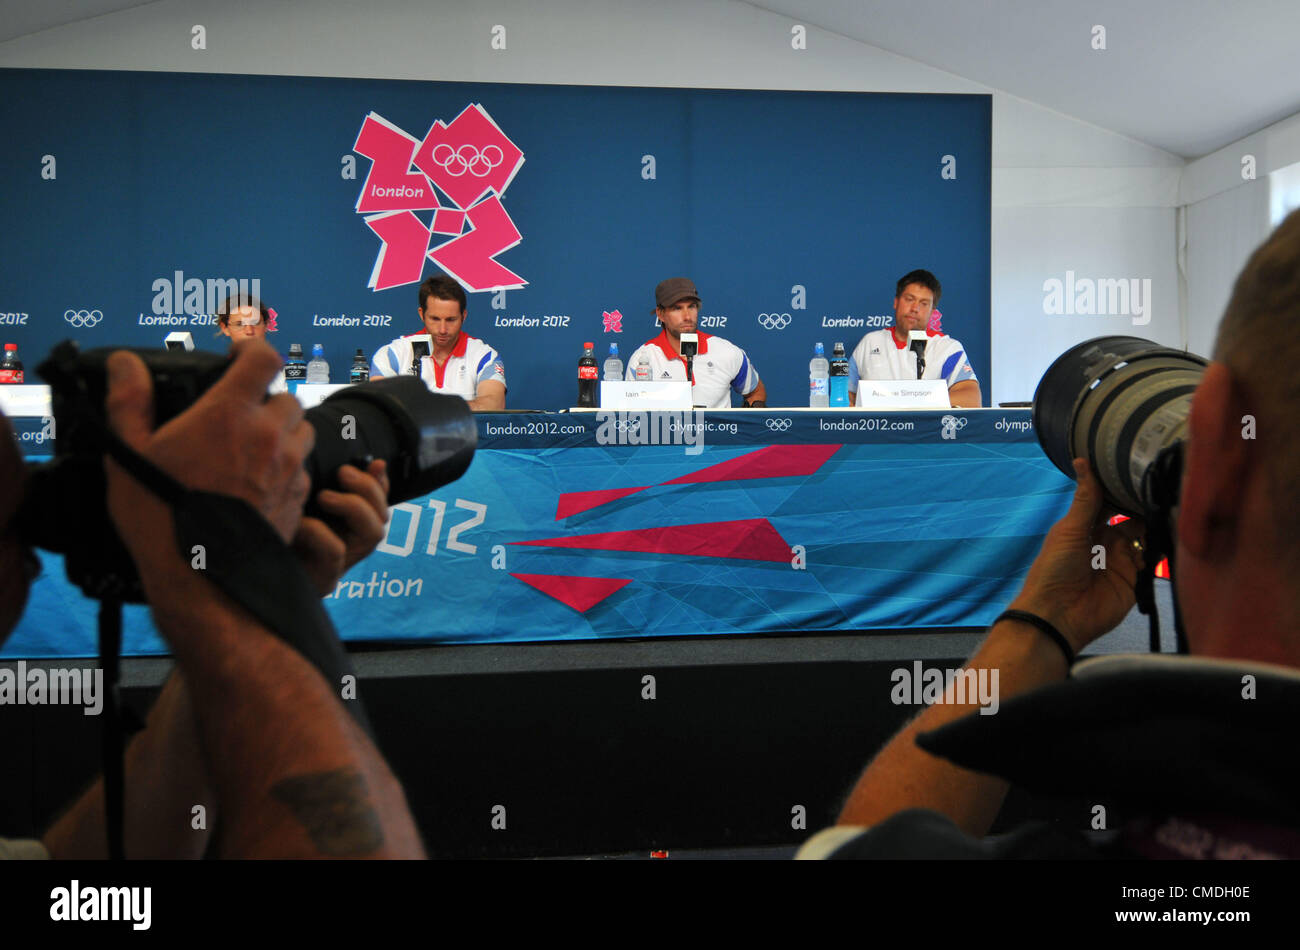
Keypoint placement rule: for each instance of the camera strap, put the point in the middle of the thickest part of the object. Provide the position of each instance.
(1163, 481)
(238, 551)
(247, 561)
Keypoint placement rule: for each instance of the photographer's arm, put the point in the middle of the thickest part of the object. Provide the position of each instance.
(294, 775)
(165, 782)
(1061, 587)
(164, 769)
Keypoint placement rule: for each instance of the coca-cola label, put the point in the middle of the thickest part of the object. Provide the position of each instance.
(11, 376)
(586, 372)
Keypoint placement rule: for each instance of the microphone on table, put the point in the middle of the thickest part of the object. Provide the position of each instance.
(421, 347)
(690, 346)
(917, 345)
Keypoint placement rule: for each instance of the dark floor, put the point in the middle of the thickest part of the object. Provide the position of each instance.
(558, 739)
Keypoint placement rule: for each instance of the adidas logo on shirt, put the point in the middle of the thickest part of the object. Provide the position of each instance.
(666, 375)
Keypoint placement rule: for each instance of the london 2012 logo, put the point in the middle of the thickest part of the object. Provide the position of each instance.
(462, 171)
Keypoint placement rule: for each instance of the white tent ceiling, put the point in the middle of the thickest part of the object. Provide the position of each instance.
(1187, 76)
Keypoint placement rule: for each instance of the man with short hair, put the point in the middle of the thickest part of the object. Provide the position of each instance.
(1121, 729)
(717, 367)
(887, 353)
(459, 364)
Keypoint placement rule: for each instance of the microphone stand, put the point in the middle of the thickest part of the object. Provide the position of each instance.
(920, 358)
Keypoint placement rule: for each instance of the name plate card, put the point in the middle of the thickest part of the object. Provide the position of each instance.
(903, 394)
(645, 394)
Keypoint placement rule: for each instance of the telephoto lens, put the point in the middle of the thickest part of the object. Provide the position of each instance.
(1120, 402)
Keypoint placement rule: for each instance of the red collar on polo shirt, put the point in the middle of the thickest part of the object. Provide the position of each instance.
(440, 369)
(661, 341)
(902, 346)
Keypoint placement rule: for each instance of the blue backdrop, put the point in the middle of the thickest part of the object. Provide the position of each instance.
(794, 212)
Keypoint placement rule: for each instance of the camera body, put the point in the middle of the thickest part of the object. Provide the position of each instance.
(427, 439)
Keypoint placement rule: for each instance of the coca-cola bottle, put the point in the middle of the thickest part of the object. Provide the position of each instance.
(587, 377)
(11, 367)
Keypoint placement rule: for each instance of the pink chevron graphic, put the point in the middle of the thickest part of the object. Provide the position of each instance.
(750, 539)
(468, 258)
(573, 502)
(579, 593)
(775, 461)
(390, 185)
(401, 258)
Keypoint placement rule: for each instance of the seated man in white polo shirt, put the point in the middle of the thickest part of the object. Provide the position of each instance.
(718, 367)
(886, 354)
(460, 364)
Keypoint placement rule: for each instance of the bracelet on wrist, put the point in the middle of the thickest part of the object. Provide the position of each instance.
(1050, 631)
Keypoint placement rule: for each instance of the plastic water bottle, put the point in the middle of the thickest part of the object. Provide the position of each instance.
(643, 367)
(318, 371)
(360, 368)
(819, 394)
(839, 377)
(295, 368)
(11, 367)
(613, 365)
(587, 377)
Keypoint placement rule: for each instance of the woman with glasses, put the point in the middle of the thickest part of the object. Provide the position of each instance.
(243, 317)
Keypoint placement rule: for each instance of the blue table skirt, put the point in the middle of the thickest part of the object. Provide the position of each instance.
(773, 522)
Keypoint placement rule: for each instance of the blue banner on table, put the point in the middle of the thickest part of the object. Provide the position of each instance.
(902, 520)
(134, 201)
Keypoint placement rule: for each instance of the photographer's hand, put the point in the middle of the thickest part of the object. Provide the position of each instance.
(360, 514)
(1062, 587)
(232, 441)
(295, 776)
(1082, 591)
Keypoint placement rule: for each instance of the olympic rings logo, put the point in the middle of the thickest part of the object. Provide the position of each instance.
(83, 318)
(774, 321)
(778, 425)
(950, 426)
(480, 165)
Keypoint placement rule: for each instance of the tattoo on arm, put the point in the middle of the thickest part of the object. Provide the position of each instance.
(335, 809)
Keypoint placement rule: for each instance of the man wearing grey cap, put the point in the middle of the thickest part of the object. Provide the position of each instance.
(717, 366)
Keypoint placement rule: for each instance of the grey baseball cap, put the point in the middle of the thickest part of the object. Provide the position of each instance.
(674, 289)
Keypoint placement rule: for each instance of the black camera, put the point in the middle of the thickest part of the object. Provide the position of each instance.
(427, 439)
(1122, 403)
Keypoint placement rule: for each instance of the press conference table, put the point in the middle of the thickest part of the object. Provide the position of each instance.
(582, 526)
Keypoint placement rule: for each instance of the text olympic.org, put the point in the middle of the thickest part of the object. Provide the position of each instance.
(657, 427)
